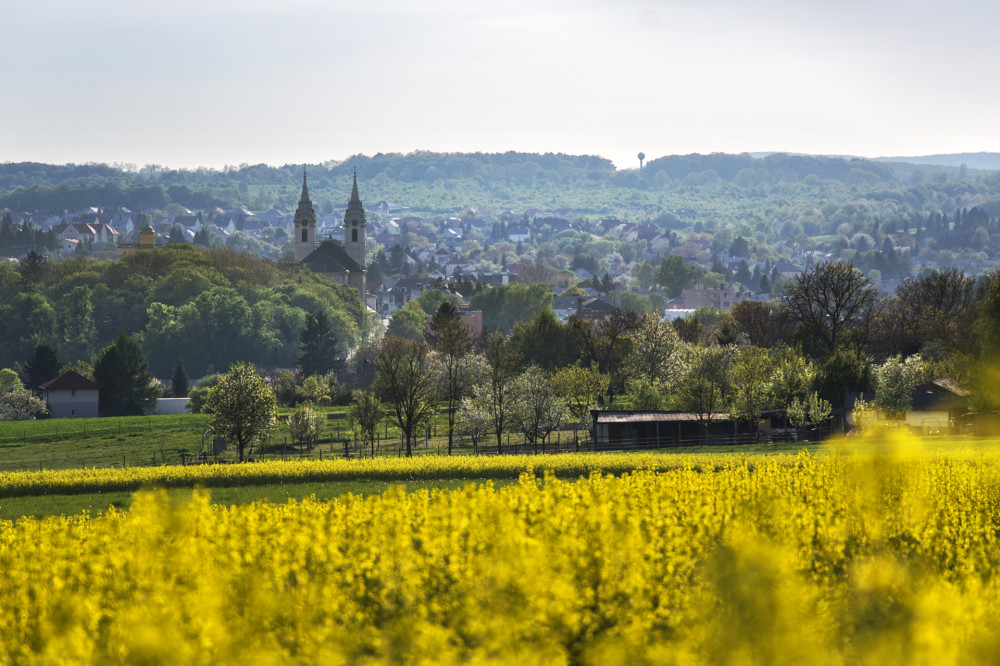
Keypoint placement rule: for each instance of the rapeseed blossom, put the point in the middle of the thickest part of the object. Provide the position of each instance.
(798, 559)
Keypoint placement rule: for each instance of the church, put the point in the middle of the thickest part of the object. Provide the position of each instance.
(343, 263)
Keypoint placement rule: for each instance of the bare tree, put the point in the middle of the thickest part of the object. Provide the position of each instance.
(364, 415)
(833, 304)
(939, 306)
(537, 409)
(497, 392)
(763, 324)
(449, 337)
(404, 382)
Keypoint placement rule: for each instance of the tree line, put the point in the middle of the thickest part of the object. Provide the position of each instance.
(210, 308)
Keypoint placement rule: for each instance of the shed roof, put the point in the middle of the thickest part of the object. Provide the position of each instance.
(939, 394)
(651, 417)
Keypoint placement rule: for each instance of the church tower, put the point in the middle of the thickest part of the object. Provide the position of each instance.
(354, 226)
(305, 223)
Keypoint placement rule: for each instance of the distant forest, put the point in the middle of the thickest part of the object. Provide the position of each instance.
(441, 183)
(786, 205)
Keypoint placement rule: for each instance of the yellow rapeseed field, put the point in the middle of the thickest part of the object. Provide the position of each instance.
(871, 558)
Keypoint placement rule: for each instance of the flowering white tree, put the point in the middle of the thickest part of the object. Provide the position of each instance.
(20, 404)
(894, 382)
(306, 424)
(474, 421)
(537, 409)
(244, 409)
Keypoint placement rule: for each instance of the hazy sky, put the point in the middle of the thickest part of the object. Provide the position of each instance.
(189, 83)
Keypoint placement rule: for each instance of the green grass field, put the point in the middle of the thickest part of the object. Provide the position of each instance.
(40, 506)
(157, 440)
(164, 440)
(58, 444)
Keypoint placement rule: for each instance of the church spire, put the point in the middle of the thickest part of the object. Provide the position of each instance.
(305, 189)
(354, 191)
(354, 226)
(305, 224)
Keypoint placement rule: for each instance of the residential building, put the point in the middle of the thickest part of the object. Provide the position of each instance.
(71, 395)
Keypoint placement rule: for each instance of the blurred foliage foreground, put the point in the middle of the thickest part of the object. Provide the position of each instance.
(864, 557)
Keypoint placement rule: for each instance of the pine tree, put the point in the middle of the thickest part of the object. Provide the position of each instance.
(32, 267)
(127, 386)
(41, 367)
(317, 346)
(179, 380)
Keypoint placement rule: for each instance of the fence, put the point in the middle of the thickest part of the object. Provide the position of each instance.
(139, 441)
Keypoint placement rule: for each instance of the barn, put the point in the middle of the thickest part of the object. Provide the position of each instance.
(70, 395)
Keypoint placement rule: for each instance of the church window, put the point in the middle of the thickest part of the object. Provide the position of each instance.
(354, 235)
(305, 235)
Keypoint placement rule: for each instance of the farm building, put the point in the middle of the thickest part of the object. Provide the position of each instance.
(70, 395)
(647, 430)
(937, 406)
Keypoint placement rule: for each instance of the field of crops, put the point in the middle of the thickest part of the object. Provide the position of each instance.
(800, 559)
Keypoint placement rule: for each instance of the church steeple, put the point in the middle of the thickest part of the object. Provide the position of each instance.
(305, 191)
(354, 226)
(355, 199)
(305, 224)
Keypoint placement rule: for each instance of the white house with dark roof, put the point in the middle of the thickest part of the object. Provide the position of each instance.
(71, 395)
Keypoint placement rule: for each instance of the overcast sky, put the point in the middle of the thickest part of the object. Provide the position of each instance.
(187, 83)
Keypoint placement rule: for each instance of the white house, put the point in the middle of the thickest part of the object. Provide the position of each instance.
(71, 395)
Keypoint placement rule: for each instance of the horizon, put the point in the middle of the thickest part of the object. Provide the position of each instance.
(135, 167)
(216, 83)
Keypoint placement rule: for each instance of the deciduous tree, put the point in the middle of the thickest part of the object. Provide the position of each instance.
(404, 383)
(537, 410)
(20, 404)
(580, 387)
(654, 344)
(408, 322)
(496, 393)
(676, 275)
(474, 420)
(364, 415)
(894, 382)
(763, 324)
(607, 343)
(8, 380)
(833, 304)
(243, 408)
(704, 387)
(752, 385)
(454, 375)
(306, 424)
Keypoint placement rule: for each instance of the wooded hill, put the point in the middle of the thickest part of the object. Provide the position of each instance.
(446, 182)
(208, 307)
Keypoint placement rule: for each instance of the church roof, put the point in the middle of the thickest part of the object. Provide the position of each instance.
(330, 257)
